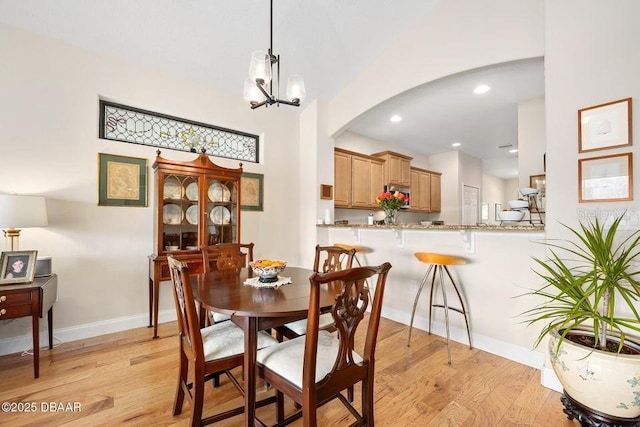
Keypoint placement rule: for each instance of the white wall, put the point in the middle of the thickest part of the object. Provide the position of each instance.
(49, 95)
(531, 139)
(576, 77)
(492, 192)
(455, 36)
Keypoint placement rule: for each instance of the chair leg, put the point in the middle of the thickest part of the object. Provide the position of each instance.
(197, 393)
(279, 406)
(464, 309)
(431, 291)
(350, 394)
(446, 314)
(415, 304)
(182, 380)
(367, 402)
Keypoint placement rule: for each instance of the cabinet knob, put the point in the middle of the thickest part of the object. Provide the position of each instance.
(3, 298)
(3, 311)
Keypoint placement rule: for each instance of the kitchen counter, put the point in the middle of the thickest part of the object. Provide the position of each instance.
(520, 226)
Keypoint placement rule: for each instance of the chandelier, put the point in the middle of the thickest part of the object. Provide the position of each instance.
(259, 86)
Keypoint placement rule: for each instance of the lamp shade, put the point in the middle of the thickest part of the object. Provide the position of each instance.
(260, 66)
(295, 88)
(251, 91)
(22, 211)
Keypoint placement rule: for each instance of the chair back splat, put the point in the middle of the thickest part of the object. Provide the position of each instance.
(315, 368)
(332, 258)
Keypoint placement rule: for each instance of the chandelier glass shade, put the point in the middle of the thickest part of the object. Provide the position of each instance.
(260, 85)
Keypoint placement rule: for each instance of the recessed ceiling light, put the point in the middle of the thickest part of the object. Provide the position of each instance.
(395, 118)
(513, 150)
(480, 89)
(456, 144)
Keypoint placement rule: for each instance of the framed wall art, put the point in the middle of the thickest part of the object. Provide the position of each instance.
(122, 181)
(251, 191)
(605, 178)
(17, 267)
(605, 126)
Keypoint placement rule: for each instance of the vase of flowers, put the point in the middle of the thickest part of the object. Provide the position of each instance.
(391, 202)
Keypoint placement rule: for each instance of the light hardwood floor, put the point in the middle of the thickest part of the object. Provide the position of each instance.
(129, 378)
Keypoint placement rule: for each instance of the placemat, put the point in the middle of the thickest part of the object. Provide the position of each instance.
(256, 283)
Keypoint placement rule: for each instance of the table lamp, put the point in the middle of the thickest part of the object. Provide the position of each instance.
(18, 212)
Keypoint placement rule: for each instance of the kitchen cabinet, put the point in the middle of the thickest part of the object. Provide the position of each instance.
(425, 190)
(358, 179)
(397, 168)
(436, 195)
(342, 178)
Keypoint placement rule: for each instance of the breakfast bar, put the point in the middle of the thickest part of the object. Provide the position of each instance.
(498, 269)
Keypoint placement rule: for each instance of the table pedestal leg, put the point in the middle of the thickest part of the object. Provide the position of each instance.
(250, 327)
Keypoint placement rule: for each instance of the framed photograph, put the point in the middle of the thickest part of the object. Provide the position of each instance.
(539, 182)
(605, 126)
(17, 267)
(605, 178)
(251, 191)
(122, 181)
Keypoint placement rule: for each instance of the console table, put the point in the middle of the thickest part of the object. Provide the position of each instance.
(31, 299)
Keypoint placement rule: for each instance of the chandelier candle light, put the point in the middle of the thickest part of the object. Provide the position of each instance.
(258, 87)
(391, 202)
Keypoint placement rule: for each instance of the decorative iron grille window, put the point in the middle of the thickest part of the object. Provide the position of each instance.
(127, 124)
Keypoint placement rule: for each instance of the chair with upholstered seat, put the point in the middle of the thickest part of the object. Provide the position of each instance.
(207, 352)
(232, 256)
(316, 368)
(327, 259)
(438, 265)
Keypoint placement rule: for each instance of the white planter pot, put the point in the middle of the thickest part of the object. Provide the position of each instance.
(605, 382)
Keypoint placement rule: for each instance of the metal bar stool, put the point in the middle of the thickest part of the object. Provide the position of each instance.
(438, 266)
(359, 250)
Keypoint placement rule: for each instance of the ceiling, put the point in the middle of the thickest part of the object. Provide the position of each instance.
(327, 41)
(445, 111)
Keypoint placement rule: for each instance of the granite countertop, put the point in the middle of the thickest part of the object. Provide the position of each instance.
(519, 226)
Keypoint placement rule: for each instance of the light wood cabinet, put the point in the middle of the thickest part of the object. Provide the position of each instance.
(425, 190)
(397, 168)
(436, 195)
(358, 179)
(342, 178)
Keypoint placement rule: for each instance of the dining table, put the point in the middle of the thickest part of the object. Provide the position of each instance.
(258, 308)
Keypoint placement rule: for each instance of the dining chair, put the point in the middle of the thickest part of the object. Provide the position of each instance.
(232, 256)
(327, 259)
(209, 351)
(316, 368)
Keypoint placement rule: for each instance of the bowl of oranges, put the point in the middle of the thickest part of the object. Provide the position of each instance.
(268, 269)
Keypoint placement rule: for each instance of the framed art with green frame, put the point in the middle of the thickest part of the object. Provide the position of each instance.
(122, 180)
(251, 191)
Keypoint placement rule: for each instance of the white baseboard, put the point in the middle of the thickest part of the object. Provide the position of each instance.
(25, 342)
(525, 356)
(549, 379)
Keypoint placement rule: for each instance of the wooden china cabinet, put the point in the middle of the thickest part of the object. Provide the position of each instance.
(196, 204)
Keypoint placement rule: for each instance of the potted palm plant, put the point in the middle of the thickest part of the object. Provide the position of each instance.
(590, 292)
